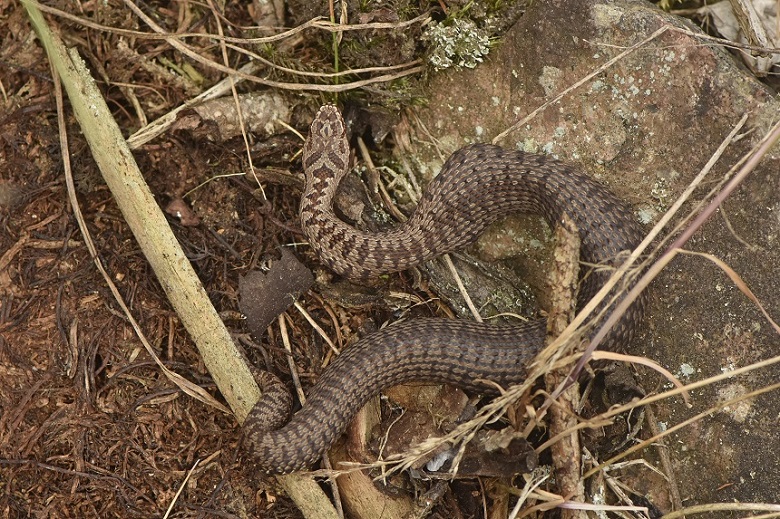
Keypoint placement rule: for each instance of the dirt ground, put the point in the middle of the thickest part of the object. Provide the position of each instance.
(89, 427)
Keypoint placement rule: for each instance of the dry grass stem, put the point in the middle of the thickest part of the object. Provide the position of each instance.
(531, 484)
(290, 360)
(693, 419)
(462, 288)
(316, 326)
(727, 221)
(725, 507)
(239, 111)
(640, 285)
(406, 180)
(315, 23)
(321, 75)
(179, 490)
(161, 124)
(594, 423)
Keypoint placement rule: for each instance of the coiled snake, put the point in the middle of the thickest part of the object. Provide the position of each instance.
(477, 185)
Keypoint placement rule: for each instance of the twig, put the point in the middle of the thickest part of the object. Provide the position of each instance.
(566, 452)
(666, 460)
(185, 385)
(290, 361)
(462, 288)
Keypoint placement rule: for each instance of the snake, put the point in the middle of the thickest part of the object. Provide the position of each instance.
(477, 184)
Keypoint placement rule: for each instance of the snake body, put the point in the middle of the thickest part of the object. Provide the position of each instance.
(477, 185)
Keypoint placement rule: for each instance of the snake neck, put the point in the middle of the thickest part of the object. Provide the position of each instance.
(351, 252)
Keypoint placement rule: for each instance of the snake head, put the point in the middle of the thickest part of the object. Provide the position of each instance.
(327, 146)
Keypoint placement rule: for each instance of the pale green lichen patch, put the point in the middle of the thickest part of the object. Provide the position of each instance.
(661, 192)
(645, 215)
(459, 43)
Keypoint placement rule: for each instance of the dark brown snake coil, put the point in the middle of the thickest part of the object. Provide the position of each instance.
(477, 185)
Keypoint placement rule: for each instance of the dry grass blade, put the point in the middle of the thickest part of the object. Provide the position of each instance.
(531, 485)
(644, 361)
(739, 282)
(693, 419)
(725, 507)
(772, 137)
(176, 41)
(185, 49)
(317, 23)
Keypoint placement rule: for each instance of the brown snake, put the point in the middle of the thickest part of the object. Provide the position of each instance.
(477, 185)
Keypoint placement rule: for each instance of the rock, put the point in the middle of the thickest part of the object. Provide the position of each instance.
(645, 126)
